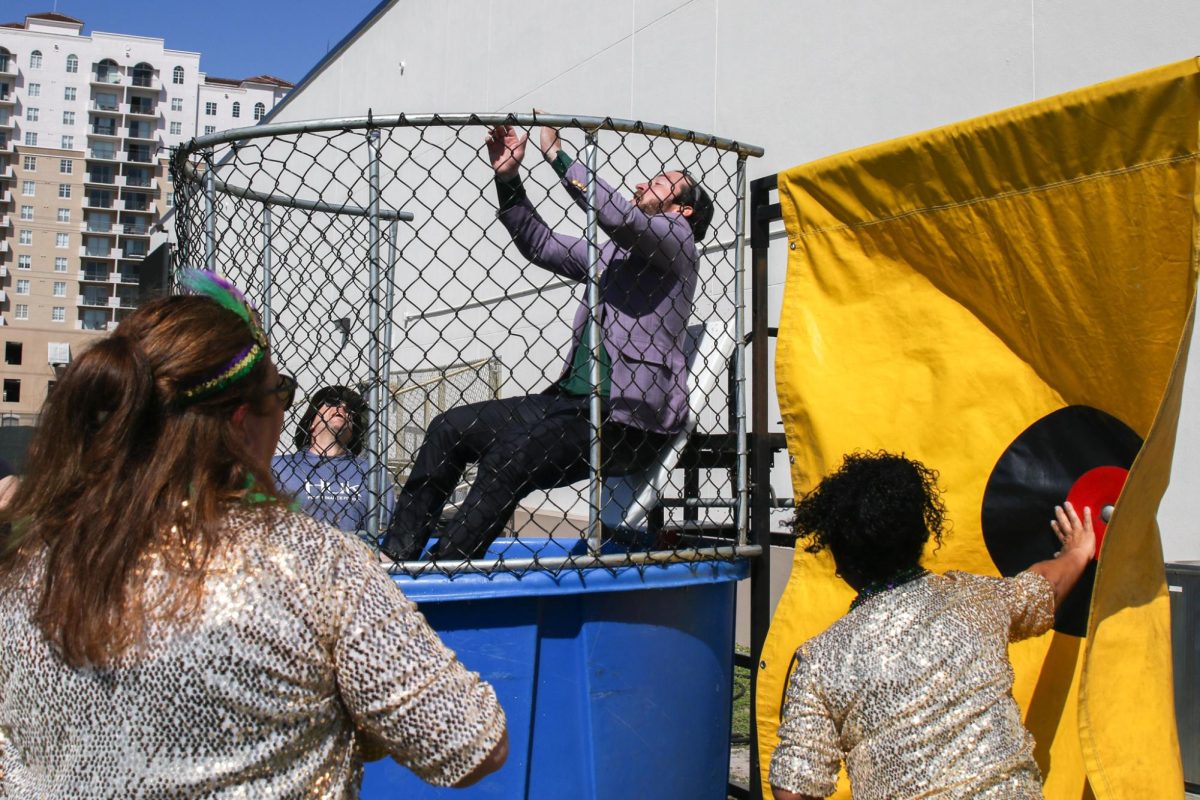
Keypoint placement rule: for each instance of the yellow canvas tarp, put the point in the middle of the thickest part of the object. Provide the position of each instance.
(949, 289)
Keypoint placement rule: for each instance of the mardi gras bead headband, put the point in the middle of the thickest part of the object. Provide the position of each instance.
(225, 294)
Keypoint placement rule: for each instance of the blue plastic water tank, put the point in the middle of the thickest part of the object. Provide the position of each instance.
(617, 684)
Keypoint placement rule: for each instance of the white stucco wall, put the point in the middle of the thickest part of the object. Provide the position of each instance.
(802, 78)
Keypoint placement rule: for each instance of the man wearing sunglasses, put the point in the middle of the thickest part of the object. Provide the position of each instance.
(647, 282)
(326, 473)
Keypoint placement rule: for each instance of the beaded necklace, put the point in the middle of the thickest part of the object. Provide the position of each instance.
(899, 579)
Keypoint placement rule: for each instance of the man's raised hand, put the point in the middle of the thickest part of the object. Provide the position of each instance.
(548, 140)
(506, 148)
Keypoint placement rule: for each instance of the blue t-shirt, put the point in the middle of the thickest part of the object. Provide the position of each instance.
(332, 489)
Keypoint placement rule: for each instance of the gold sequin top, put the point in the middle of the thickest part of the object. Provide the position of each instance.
(913, 691)
(304, 658)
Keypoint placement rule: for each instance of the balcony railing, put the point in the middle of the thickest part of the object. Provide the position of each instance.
(110, 77)
(92, 300)
(143, 109)
(104, 178)
(95, 325)
(94, 276)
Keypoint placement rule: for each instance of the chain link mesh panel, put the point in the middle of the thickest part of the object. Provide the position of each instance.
(431, 335)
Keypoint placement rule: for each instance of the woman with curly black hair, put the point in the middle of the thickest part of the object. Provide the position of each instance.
(912, 689)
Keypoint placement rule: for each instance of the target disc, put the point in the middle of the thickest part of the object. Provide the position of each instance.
(1078, 453)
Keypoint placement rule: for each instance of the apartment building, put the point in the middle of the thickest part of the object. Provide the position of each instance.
(86, 127)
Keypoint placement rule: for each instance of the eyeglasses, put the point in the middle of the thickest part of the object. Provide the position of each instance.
(286, 388)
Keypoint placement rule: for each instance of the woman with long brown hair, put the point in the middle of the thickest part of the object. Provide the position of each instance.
(172, 629)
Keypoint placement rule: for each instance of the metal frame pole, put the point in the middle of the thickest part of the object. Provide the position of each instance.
(210, 220)
(374, 484)
(593, 296)
(760, 522)
(739, 289)
(268, 266)
(385, 413)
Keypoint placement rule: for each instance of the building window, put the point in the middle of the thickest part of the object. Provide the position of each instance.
(21, 311)
(58, 314)
(34, 90)
(64, 215)
(60, 264)
(32, 114)
(61, 240)
(68, 143)
(29, 163)
(237, 110)
(64, 190)
(60, 288)
(12, 386)
(31, 138)
(26, 212)
(23, 286)
(170, 199)
(176, 128)
(69, 93)
(12, 353)
(27, 188)
(68, 118)
(26, 236)
(177, 76)
(177, 104)
(209, 129)
(66, 166)
(25, 262)
(260, 111)
(210, 109)
(72, 63)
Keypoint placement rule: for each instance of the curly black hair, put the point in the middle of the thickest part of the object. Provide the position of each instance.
(875, 514)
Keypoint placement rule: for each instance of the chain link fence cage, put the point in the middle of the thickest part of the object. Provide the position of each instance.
(446, 372)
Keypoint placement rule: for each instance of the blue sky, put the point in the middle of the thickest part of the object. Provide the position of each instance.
(236, 38)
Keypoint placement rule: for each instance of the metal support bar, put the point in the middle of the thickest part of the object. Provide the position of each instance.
(374, 466)
(739, 288)
(210, 221)
(593, 297)
(760, 522)
(268, 264)
(389, 324)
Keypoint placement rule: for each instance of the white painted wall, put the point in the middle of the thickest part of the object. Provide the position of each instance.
(802, 78)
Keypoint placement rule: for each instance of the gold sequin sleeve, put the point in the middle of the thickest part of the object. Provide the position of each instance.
(807, 759)
(1029, 599)
(404, 688)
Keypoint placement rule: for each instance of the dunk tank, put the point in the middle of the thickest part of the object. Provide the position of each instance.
(604, 613)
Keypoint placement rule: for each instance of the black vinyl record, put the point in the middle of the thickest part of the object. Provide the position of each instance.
(1037, 472)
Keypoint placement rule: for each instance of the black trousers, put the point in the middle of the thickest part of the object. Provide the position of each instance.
(520, 444)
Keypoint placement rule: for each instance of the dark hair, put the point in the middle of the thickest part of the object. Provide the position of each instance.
(875, 514)
(693, 195)
(120, 467)
(331, 395)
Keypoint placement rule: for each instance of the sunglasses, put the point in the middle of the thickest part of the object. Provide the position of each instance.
(286, 388)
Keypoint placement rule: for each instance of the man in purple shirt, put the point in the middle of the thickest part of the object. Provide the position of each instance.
(647, 282)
